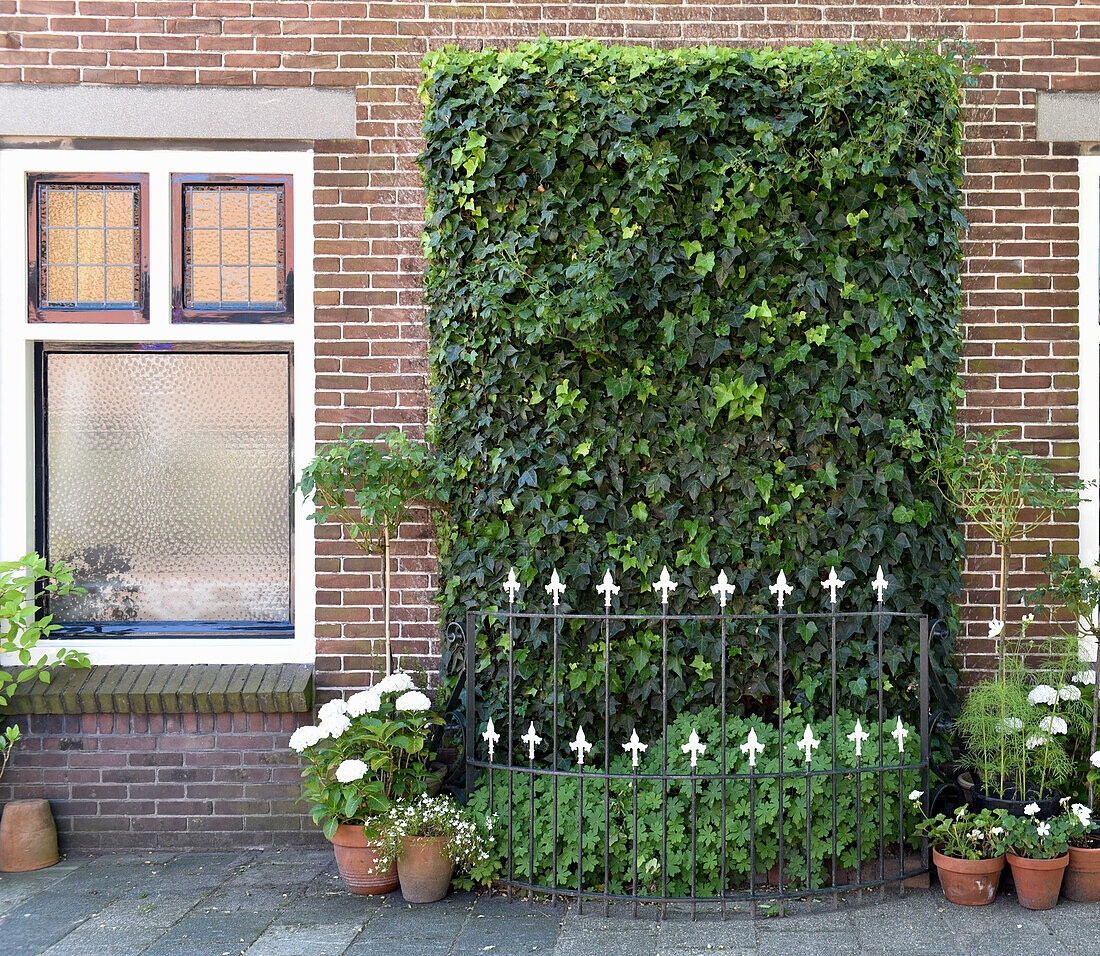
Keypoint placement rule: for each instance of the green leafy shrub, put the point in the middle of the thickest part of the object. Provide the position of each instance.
(708, 810)
(692, 308)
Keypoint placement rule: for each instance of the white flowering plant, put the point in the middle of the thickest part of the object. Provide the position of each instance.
(964, 834)
(1047, 839)
(366, 752)
(468, 837)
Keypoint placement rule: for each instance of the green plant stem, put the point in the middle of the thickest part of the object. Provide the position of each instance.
(386, 594)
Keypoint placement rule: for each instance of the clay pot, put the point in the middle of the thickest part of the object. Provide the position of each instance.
(28, 836)
(1037, 881)
(425, 869)
(968, 882)
(1082, 882)
(356, 859)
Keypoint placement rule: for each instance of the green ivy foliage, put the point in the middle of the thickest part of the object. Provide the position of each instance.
(858, 812)
(689, 308)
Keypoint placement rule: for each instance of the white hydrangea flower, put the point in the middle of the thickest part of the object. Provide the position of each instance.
(331, 709)
(1043, 694)
(1036, 740)
(1043, 829)
(351, 770)
(1031, 809)
(364, 702)
(395, 683)
(1085, 677)
(1012, 725)
(1095, 759)
(305, 737)
(1069, 692)
(1053, 725)
(1086, 649)
(413, 700)
(335, 726)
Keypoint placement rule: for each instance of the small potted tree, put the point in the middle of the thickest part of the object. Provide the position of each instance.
(363, 754)
(28, 836)
(368, 488)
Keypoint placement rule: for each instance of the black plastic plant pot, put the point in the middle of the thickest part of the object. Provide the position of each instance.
(1013, 803)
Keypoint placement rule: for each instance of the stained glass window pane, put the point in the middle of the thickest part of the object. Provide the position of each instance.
(229, 232)
(167, 485)
(89, 245)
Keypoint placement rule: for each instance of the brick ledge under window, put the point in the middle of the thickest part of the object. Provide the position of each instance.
(170, 689)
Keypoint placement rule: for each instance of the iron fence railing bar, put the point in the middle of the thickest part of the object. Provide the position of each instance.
(826, 868)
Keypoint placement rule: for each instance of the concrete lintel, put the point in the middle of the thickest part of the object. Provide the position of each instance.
(1068, 117)
(177, 112)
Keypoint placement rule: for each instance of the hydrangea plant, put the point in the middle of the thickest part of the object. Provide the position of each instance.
(366, 752)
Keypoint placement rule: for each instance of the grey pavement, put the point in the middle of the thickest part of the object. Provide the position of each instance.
(292, 903)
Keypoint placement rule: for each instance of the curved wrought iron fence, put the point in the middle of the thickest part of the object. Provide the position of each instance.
(570, 808)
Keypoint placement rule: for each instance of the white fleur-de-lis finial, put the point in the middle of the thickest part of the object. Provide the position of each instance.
(752, 747)
(899, 733)
(512, 586)
(665, 585)
(635, 747)
(833, 583)
(532, 740)
(780, 589)
(858, 736)
(694, 747)
(608, 588)
(555, 588)
(581, 746)
(490, 737)
(880, 584)
(809, 743)
(723, 589)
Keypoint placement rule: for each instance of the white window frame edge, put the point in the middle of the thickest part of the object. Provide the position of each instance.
(18, 336)
(1088, 395)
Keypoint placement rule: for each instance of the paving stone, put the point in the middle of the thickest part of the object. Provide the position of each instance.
(94, 939)
(730, 934)
(155, 911)
(506, 934)
(211, 933)
(399, 920)
(640, 942)
(365, 946)
(339, 907)
(329, 940)
(33, 934)
(15, 887)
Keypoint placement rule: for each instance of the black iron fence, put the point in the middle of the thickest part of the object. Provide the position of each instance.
(814, 797)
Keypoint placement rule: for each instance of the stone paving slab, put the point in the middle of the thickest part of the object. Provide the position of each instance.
(291, 903)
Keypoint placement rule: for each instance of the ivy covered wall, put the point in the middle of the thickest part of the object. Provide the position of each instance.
(691, 308)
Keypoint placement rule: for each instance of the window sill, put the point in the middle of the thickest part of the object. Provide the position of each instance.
(170, 689)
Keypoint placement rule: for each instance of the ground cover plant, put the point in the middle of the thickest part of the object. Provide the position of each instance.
(691, 308)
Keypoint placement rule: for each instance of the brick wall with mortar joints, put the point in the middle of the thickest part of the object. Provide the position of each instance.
(1020, 277)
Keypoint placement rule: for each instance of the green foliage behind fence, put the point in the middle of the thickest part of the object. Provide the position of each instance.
(688, 307)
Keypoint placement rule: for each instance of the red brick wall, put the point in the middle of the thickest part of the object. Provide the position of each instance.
(1020, 277)
(134, 781)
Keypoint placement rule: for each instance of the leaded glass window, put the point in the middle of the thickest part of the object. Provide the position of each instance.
(234, 240)
(165, 483)
(88, 242)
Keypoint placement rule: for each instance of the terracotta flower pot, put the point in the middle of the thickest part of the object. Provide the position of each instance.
(425, 870)
(1038, 881)
(28, 836)
(356, 859)
(1082, 882)
(968, 882)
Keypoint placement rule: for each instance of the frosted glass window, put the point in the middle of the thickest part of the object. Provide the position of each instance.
(166, 483)
(234, 247)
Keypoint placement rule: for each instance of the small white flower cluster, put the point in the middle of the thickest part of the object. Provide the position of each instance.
(1036, 740)
(467, 842)
(351, 770)
(1083, 813)
(1052, 724)
(1031, 809)
(1012, 725)
(413, 700)
(1043, 830)
(305, 737)
(364, 702)
(1043, 694)
(1086, 678)
(1095, 759)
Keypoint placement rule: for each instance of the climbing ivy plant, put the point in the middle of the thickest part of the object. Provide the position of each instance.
(689, 308)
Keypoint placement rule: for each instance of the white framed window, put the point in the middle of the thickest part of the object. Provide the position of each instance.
(1088, 400)
(159, 454)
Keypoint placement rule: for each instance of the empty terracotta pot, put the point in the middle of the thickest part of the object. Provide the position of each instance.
(356, 859)
(424, 869)
(1037, 881)
(1082, 882)
(968, 882)
(28, 836)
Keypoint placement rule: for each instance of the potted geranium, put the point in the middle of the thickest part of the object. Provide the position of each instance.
(364, 753)
(968, 849)
(28, 835)
(428, 838)
(1039, 854)
(1082, 881)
